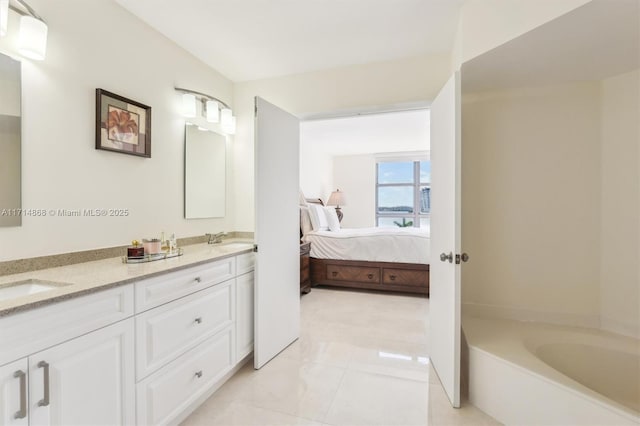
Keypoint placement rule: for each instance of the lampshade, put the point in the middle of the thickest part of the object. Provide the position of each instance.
(4, 15)
(33, 38)
(188, 105)
(213, 113)
(227, 121)
(337, 198)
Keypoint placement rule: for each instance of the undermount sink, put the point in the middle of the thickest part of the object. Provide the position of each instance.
(26, 288)
(236, 245)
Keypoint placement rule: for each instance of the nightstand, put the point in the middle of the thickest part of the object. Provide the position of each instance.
(305, 276)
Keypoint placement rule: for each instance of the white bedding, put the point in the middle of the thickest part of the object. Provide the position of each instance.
(405, 245)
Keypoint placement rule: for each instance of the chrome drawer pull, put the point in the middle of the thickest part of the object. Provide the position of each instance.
(198, 320)
(23, 394)
(199, 374)
(197, 279)
(45, 401)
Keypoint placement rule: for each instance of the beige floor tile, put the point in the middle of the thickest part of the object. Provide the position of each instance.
(240, 414)
(287, 386)
(373, 399)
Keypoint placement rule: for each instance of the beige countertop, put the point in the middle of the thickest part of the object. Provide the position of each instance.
(88, 277)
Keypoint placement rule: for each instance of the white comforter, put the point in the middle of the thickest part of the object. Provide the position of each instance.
(405, 245)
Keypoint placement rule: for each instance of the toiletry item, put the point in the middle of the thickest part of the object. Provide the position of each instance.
(164, 243)
(173, 243)
(152, 246)
(136, 250)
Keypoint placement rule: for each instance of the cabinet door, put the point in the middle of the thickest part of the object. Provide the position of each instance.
(85, 381)
(244, 319)
(13, 393)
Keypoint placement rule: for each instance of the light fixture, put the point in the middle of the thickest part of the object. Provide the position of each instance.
(32, 39)
(4, 17)
(188, 105)
(337, 198)
(213, 109)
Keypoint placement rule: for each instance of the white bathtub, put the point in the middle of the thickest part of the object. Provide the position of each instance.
(529, 373)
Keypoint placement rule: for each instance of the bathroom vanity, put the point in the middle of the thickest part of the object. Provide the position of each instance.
(126, 344)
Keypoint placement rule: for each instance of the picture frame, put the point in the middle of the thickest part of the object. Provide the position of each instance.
(122, 125)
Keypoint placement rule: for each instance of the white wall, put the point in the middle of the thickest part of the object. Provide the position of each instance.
(620, 208)
(355, 175)
(349, 88)
(485, 24)
(91, 45)
(316, 170)
(531, 203)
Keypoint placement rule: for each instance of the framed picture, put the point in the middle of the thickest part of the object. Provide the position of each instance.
(122, 125)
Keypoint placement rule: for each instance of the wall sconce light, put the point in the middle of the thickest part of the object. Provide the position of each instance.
(32, 39)
(213, 109)
(188, 105)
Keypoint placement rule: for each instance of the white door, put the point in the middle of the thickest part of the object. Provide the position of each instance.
(85, 381)
(444, 283)
(244, 315)
(14, 384)
(277, 232)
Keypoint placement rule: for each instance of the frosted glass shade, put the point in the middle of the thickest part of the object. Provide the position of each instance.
(213, 113)
(225, 117)
(228, 124)
(32, 41)
(4, 16)
(189, 105)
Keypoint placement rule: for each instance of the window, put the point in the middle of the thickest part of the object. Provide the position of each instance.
(403, 193)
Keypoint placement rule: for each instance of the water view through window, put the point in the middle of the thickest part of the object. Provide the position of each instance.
(403, 193)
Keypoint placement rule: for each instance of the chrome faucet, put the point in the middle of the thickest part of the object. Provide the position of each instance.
(215, 238)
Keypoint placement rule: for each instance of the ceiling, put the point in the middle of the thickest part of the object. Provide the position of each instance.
(404, 131)
(256, 39)
(595, 41)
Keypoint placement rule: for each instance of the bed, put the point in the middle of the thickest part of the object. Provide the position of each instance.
(386, 259)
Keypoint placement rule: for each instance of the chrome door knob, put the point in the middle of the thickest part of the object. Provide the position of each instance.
(445, 257)
(465, 257)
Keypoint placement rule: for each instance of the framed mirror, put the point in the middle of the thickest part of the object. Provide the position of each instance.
(10, 142)
(205, 173)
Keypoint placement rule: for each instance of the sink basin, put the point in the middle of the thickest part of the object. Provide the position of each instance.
(234, 246)
(26, 288)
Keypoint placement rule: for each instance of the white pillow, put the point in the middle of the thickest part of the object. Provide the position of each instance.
(305, 220)
(332, 218)
(318, 218)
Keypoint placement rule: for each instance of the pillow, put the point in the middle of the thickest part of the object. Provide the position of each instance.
(332, 218)
(318, 218)
(305, 220)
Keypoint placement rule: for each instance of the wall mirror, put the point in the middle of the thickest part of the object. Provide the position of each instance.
(10, 140)
(205, 171)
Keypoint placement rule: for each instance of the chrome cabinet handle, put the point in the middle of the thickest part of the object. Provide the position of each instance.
(198, 279)
(199, 374)
(23, 394)
(198, 320)
(45, 401)
(445, 257)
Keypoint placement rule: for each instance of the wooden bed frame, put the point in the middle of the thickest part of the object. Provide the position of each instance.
(385, 276)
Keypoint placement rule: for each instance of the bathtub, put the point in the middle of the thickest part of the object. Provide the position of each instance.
(529, 373)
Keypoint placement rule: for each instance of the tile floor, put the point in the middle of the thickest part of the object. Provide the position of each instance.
(362, 359)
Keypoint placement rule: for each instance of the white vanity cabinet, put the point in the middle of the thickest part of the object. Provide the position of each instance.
(83, 380)
(187, 346)
(14, 388)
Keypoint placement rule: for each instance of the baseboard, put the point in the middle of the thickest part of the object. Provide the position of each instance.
(522, 314)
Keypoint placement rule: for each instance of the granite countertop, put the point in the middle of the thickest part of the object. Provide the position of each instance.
(85, 278)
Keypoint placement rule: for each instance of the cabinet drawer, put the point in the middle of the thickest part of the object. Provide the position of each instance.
(166, 394)
(353, 273)
(155, 291)
(170, 330)
(34, 330)
(405, 277)
(245, 263)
